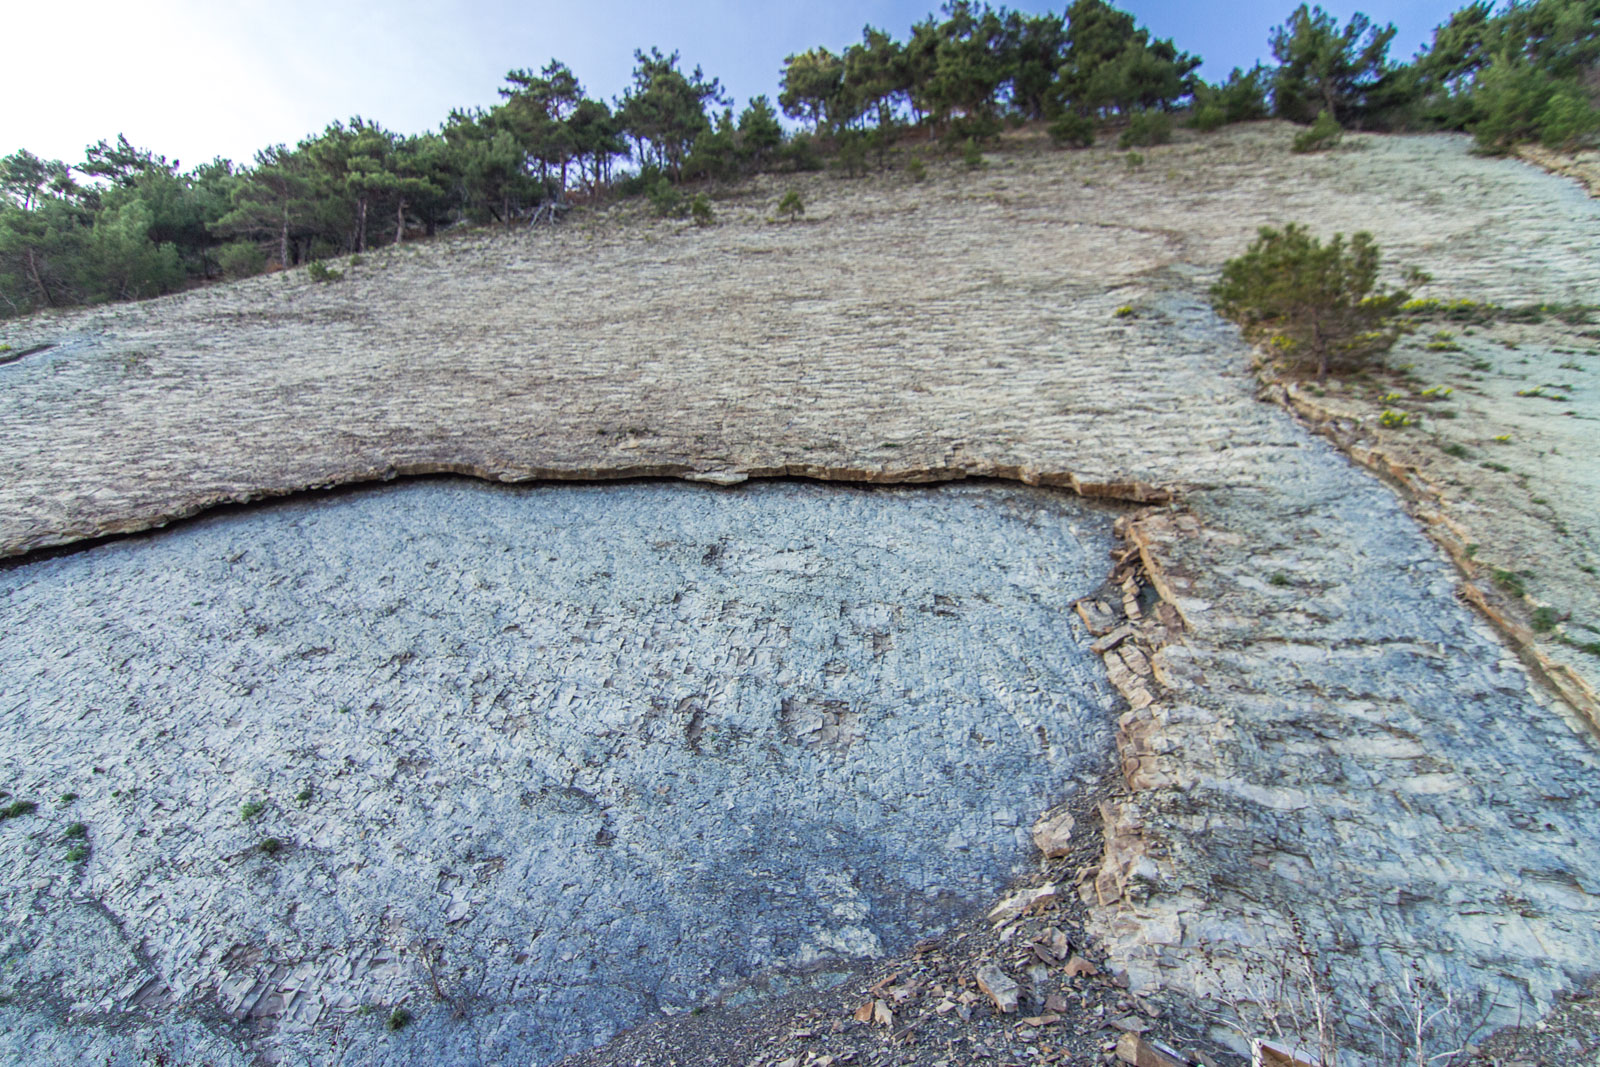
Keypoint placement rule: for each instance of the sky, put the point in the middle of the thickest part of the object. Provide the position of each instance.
(196, 79)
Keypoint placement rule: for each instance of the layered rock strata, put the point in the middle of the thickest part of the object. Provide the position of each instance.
(1337, 756)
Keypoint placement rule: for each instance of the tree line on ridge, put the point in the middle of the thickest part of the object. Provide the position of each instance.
(125, 223)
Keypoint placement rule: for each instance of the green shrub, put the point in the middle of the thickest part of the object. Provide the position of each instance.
(791, 204)
(318, 271)
(251, 808)
(1320, 135)
(1242, 98)
(1314, 303)
(963, 128)
(851, 157)
(1516, 102)
(17, 809)
(665, 198)
(1145, 129)
(1511, 582)
(972, 154)
(271, 846)
(1208, 117)
(397, 1019)
(1396, 420)
(1073, 130)
(700, 210)
(77, 853)
(241, 259)
(641, 183)
(916, 169)
(800, 152)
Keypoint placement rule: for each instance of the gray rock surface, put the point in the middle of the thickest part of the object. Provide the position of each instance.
(540, 761)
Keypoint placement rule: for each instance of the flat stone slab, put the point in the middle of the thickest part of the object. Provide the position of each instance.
(965, 325)
(551, 760)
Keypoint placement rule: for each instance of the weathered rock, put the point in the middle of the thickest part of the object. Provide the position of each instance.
(515, 738)
(1053, 836)
(999, 987)
(1132, 1049)
(1078, 966)
(1020, 902)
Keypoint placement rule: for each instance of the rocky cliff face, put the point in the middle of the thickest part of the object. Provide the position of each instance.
(567, 758)
(1325, 750)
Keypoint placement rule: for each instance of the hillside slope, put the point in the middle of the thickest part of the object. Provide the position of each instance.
(1325, 743)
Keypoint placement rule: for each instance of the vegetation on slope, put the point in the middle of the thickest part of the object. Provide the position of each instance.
(125, 223)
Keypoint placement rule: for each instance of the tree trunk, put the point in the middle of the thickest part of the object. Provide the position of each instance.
(400, 221)
(33, 269)
(283, 238)
(361, 224)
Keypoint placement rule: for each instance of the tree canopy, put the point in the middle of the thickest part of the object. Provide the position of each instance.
(124, 221)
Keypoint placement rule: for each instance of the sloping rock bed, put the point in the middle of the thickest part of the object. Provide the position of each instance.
(531, 765)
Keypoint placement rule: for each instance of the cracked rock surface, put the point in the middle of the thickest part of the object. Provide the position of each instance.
(539, 763)
(1334, 741)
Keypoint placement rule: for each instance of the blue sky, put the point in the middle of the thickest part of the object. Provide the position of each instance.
(193, 79)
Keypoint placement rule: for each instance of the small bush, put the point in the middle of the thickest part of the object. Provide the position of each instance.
(1208, 117)
(641, 183)
(76, 832)
(77, 853)
(791, 204)
(1320, 135)
(851, 157)
(665, 198)
(1315, 302)
(1146, 129)
(1135, 160)
(963, 128)
(251, 808)
(241, 259)
(972, 154)
(1073, 130)
(916, 169)
(1544, 620)
(1459, 451)
(318, 271)
(1511, 582)
(271, 846)
(1242, 98)
(800, 152)
(700, 210)
(18, 808)
(397, 1019)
